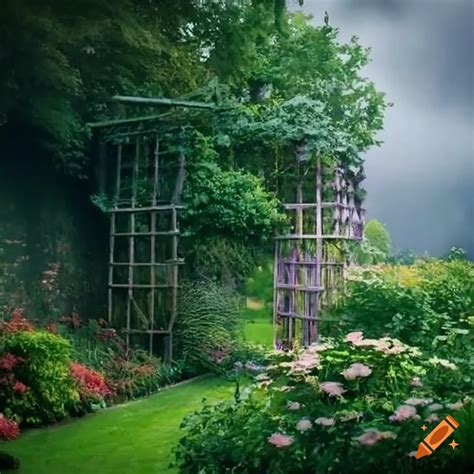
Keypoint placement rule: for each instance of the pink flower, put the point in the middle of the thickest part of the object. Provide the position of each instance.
(373, 436)
(293, 405)
(280, 440)
(435, 407)
(418, 401)
(333, 389)
(354, 336)
(369, 437)
(304, 425)
(416, 382)
(306, 362)
(319, 347)
(323, 421)
(356, 370)
(404, 412)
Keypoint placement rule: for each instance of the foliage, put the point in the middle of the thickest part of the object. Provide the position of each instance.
(8, 428)
(427, 304)
(207, 326)
(456, 253)
(226, 202)
(65, 61)
(225, 260)
(403, 257)
(36, 384)
(90, 384)
(351, 406)
(377, 246)
(129, 373)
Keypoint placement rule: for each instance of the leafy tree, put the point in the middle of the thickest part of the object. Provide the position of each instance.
(377, 245)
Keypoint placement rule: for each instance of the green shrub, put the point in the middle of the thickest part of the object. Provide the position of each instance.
(207, 326)
(343, 406)
(417, 304)
(223, 259)
(43, 368)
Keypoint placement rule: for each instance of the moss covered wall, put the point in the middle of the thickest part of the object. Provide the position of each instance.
(53, 241)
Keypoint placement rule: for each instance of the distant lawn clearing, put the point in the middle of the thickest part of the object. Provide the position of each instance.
(136, 438)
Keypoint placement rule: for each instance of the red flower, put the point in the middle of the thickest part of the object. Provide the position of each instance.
(9, 361)
(17, 322)
(91, 384)
(8, 428)
(20, 387)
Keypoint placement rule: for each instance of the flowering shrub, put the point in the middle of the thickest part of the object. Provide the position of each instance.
(35, 383)
(350, 405)
(90, 384)
(8, 428)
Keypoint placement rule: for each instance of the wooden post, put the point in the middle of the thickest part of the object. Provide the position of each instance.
(153, 242)
(131, 251)
(113, 230)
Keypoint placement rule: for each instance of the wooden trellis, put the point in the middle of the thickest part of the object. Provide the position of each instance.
(141, 176)
(148, 230)
(310, 260)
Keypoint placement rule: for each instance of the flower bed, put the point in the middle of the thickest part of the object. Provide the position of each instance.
(351, 405)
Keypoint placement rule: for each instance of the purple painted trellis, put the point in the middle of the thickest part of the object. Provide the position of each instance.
(310, 260)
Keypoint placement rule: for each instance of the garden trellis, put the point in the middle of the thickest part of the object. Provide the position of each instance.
(310, 261)
(141, 177)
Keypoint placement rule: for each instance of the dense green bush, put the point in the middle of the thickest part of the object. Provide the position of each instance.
(350, 405)
(417, 304)
(223, 259)
(230, 203)
(41, 367)
(207, 327)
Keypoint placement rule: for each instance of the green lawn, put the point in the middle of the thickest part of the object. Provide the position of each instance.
(131, 439)
(258, 326)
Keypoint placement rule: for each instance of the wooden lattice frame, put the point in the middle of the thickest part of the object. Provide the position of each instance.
(152, 212)
(309, 263)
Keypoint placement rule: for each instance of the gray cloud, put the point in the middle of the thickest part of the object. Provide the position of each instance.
(420, 181)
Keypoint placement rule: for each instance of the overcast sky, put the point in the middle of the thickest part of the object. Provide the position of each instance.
(420, 182)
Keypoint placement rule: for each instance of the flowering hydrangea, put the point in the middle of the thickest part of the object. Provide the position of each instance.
(404, 412)
(455, 406)
(355, 371)
(323, 421)
(354, 336)
(333, 389)
(280, 440)
(373, 436)
(418, 401)
(304, 425)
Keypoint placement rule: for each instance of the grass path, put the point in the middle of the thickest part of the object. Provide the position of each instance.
(131, 439)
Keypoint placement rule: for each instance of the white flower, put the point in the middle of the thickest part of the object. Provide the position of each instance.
(304, 425)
